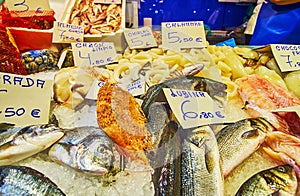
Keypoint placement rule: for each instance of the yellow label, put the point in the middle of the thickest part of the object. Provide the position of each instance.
(290, 109)
(178, 35)
(25, 100)
(193, 108)
(108, 1)
(26, 5)
(93, 53)
(287, 56)
(140, 38)
(67, 33)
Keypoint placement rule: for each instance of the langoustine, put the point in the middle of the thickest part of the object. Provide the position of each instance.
(262, 97)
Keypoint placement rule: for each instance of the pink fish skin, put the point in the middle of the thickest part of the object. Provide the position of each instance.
(262, 97)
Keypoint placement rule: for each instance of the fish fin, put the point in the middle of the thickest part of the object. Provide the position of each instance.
(5, 126)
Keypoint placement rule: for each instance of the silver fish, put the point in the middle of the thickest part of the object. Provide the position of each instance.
(239, 140)
(86, 149)
(21, 142)
(22, 180)
(201, 172)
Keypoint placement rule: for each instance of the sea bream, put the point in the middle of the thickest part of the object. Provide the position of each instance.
(18, 143)
(239, 140)
(280, 180)
(85, 149)
(22, 180)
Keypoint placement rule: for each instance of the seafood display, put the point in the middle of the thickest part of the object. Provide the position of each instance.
(21, 180)
(22, 142)
(96, 18)
(86, 149)
(118, 143)
(280, 180)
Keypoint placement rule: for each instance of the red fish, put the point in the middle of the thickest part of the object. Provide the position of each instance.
(262, 97)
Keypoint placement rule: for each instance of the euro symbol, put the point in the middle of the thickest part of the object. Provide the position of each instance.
(35, 113)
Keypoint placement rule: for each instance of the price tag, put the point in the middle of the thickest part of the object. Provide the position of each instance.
(140, 38)
(67, 33)
(287, 56)
(136, 88)
(25, 100)
(93, 53)
(177, 35)
(193, 108)
(290, 109)
(26, 5)
(108, 1)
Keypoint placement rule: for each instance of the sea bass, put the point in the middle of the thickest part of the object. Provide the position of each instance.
(239, 140)
(21, 142)
(200, 164)
(280, 180)
(22, 180)
(86, 149)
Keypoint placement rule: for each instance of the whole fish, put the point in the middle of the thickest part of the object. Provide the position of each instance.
(280, 180)
(200, 164)
(86, 149)
(22, 180)
(215, 89)
(239, 140)
(166, 164)
(21, 142)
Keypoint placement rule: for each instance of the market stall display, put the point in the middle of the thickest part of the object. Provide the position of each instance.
(103, 139)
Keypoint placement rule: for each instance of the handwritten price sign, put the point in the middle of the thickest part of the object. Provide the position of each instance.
(287, 56)
(26, 5)
(67, 33)
(140, 38)
(93, 53)
(21, 102)
(177, 35)
(193, 108)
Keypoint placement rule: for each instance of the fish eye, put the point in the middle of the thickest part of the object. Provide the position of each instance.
(281, 169)
(250, 133)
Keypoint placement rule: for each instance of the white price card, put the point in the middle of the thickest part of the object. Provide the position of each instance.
(25, 100)
(93, 53)
(194, 108)
(67, 33)
(287, 56)
(26, 5)
(178, 35)
(140, 38)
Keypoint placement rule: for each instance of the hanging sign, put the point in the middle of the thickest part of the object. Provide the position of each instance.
(287, 56)
(140, 38)
(93, 53)
(67, 33)
(178, 35)
(193, 108)
(25, 100)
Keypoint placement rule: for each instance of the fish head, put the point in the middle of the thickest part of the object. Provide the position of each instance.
(41, 135)
(281, 178)
(95, 155)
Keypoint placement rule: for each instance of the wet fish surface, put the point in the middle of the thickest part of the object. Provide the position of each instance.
(86, 149)
(18, 143)
(201, 172)
(280, 180)
(22, 180)
(239, 140)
